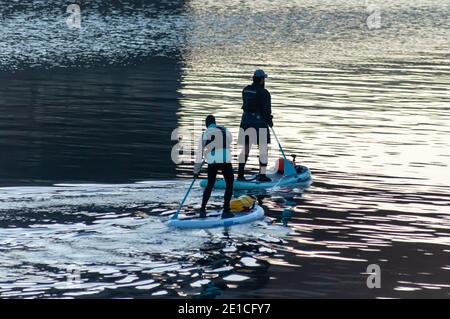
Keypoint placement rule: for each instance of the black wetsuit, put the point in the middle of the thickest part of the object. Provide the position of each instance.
(256, 104)
(228, 175)
(213, 168)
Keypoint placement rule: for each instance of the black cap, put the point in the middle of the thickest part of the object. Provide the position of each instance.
(210, 119)
(260, 74)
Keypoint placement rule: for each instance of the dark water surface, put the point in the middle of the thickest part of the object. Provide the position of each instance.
(87, 179)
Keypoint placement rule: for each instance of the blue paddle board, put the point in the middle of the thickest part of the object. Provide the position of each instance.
(256, 213)
(303, 177)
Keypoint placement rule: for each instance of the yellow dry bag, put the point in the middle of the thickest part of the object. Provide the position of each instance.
(242, 203)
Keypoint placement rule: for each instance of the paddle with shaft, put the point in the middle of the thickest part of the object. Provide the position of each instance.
(175, 216)
(289, 169)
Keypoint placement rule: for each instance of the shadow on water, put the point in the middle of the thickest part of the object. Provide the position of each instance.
(96, 103)
(97, 124)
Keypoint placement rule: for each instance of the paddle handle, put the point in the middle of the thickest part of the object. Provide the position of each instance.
(175, 216)
(279, 144)
(289, 168)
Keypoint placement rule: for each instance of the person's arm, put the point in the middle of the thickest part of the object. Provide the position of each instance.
(229, 138)
(199, 155)
(267, 108)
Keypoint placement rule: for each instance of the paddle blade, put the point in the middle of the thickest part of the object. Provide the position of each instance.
(289, 168)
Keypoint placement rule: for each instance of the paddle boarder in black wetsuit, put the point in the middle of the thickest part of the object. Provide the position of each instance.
(255, 122)
(214, 145)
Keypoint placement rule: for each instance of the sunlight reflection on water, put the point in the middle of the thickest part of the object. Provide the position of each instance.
(366, 111)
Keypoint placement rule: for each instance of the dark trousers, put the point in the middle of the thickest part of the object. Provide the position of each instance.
(228, 175)
(263, 156)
